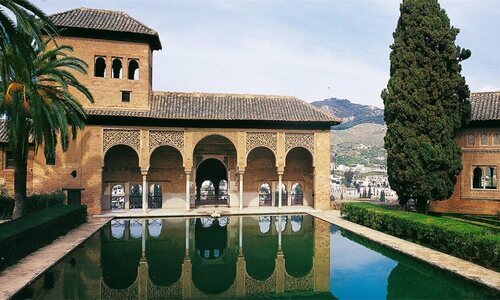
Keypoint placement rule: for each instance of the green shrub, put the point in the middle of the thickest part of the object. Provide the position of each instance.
(24, 235)
(467, 241)
(38, 202)
(6, 207)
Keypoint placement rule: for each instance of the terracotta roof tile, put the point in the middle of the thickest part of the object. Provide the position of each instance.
(105, 20)
(485, 106)
(231, 107)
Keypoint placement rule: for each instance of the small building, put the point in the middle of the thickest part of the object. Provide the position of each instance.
(477, 188)
(143, 148)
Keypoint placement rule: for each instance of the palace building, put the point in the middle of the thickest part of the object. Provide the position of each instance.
(477, 188)
(144, 149)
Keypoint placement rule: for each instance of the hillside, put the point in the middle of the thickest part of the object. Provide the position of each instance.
(352, 114)
(368, 134)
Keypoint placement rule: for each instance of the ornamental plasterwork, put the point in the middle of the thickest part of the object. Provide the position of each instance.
(159, 138)
(261, 139)
(305, 283)
(113, 137)
(305, 140)
(131, 292)
(172, 291)
(254, 286)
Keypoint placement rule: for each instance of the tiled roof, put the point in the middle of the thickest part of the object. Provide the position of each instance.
(103, 20)
(485, 106)
(231, 107)
(4, 134)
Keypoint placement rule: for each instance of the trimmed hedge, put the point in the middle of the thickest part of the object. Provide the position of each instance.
(33, 203)
(474, 243)
(6, 207)
(24, 235)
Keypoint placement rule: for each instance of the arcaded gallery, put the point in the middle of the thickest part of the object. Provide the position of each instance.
(145, 149)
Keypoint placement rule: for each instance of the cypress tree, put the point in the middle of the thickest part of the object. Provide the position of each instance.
(426, 103)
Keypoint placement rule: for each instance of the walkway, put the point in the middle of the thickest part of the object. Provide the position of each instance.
(16, 277)
(205, 211)
(438, 259)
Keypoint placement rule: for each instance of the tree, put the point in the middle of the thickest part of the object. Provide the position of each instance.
(38, 103)
(369, 195)
(426, 102)
(348, 176)
(382, 196)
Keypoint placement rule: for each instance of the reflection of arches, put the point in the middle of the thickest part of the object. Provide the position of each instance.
(117, 229)
(133, 69)
(165, 254)
(296, 222)
(280, 226)
(476, 180)
(265, 195)
(214, 263)
(298, 249)
(297, 194)
(154, 227)
(136, 228)
(260, 247)
(208, 172)
(284, 195)
(119, 261)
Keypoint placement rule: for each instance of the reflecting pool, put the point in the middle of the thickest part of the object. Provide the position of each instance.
(292, 256)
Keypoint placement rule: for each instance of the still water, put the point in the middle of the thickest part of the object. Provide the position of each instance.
(294, 256)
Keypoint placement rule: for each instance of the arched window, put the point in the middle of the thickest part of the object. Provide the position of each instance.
(297, 194)
(117, 68)
(491, 178)
(100, 66)
(476, 180)
(284, 195)
(155, 197)
(265, 195)
(135, 197)
(471, 139)
(133, 69)
(223, 196)
(207, 191)
(118, 197)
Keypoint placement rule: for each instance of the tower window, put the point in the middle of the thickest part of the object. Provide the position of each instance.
(9, 160)
(117, 68)
(100, 66)
(125, 96)
(133, 69)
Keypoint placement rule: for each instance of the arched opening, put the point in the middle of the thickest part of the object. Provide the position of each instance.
(299, 170)
(476, 180)
(118, 197)
(100, 66)
(297, 194)
(155, 196)
(260, 171)
(133, 69)
(166, 170)
(284, 195)
(215, 157)
(116, 68)
(208, 172)
(122, 178)
(265, 195)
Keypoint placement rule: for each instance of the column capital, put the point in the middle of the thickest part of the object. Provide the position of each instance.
(188, 172)
(280, 173)
(241, 171)
(144, 171)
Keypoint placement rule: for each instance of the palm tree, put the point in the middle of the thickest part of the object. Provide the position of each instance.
(38, 104)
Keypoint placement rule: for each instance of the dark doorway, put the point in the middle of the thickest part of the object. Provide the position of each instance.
(75, 196)
(208, 176)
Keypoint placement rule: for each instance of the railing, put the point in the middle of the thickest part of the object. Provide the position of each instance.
(135, 201)
(155, 201)
(213, 200)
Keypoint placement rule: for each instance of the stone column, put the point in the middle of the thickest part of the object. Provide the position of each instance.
(188, 184)
(144, 190)
(144, 231)
(279, 232)
(241, 190)
(187, 237)
(280, 194)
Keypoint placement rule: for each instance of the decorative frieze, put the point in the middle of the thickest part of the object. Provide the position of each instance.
(159, 138)
(305, 140)
(113, 137)
(261, 139)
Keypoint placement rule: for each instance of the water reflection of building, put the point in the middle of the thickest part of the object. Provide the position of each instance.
(197, 258)
(229, 256)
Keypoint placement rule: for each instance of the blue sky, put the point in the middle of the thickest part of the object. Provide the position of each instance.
(309, 49)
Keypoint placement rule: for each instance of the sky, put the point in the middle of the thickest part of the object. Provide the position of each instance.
(309, 49)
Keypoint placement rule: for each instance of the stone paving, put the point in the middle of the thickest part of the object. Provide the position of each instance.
(438, 259)
(27, 270)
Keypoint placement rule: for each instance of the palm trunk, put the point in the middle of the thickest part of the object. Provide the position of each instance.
(20, 152)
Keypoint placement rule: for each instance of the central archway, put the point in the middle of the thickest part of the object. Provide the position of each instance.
(211, 176)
